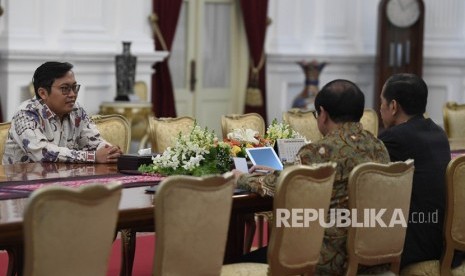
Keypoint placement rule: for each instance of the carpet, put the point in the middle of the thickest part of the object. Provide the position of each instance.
(143, 260)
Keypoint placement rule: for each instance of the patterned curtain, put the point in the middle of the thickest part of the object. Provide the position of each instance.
(255, 22)
(164, 21)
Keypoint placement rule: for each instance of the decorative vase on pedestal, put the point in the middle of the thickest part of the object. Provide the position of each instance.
(306, 98)
(125, 73)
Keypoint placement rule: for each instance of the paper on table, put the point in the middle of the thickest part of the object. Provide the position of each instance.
(241, 164)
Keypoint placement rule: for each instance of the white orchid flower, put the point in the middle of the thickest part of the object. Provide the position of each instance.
(246, 135)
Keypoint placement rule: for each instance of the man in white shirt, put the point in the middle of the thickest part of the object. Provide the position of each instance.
(52, 126)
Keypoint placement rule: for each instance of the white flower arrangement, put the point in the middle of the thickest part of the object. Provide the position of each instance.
(197, 153)
(277, 131)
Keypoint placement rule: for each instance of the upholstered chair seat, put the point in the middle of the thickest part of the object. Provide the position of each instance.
(70, 231)
(454, 120)
(164, 131)
(294, 250)
(378, 186)
(115, 129)
(304, 122)
(192, 217)
(245, 269)
(429, 268)
(454, 227)
(4, 128)
(252, 121)
(370, 121)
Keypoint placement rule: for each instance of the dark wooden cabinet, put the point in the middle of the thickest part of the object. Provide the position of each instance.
(399, 41)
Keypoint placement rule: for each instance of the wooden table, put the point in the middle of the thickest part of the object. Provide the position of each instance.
(136, 209)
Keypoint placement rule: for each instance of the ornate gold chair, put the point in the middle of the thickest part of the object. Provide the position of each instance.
(4, 128)
(252, 121)
(370, 121)
(304, 122)
(69, 231)
(141, 90)
(192, 217)
(454, 227)
(164, 131)
(294, 250)
(115, 129)
(454, 120)
(255, 122)
(378, 186)
(12, 255)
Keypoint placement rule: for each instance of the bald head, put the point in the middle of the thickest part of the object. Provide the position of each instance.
(342, 99)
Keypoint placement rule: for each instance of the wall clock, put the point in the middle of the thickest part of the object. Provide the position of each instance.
(403, 13)
(399, 41)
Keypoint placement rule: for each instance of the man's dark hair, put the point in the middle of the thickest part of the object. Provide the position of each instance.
(343, 101)
(47, 73)
(410, 92)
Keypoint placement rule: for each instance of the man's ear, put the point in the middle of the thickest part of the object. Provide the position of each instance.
(43, 93)
(323, 114)
(394, 107)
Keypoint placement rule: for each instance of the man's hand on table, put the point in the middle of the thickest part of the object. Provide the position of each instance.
(108, 154)
(257, 170)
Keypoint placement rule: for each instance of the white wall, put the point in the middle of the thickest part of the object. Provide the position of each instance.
(343, 33)
(87, 33)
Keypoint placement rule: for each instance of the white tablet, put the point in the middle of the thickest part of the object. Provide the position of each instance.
(264, 156)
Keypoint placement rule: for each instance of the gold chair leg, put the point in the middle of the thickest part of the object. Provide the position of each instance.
(250, 226)
(260, 227)
(128, 250)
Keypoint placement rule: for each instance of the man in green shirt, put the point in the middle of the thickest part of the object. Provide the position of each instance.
(339, 106)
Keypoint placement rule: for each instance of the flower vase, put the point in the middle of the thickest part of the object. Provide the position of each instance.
(312, 71)
(125, 73)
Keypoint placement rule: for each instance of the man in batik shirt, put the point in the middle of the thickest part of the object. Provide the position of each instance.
(339, 107)
(52, 126)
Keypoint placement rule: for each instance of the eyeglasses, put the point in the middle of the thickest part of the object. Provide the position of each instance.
(66, 89)
(315, 114)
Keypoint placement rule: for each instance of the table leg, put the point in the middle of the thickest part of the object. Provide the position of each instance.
(128, 248)
(235, 242)
(15, 261)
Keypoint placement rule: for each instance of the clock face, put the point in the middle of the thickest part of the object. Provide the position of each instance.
(403, 13)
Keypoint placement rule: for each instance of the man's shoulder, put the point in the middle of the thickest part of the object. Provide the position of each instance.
(28, 106)
(412, 128)
(319, 151)
(395, 132)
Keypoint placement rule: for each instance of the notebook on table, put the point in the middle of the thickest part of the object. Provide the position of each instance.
(288, 148)
(264, 156)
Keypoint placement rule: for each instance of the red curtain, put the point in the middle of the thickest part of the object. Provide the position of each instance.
(1, 116)
(166, 17)
(255, 22)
